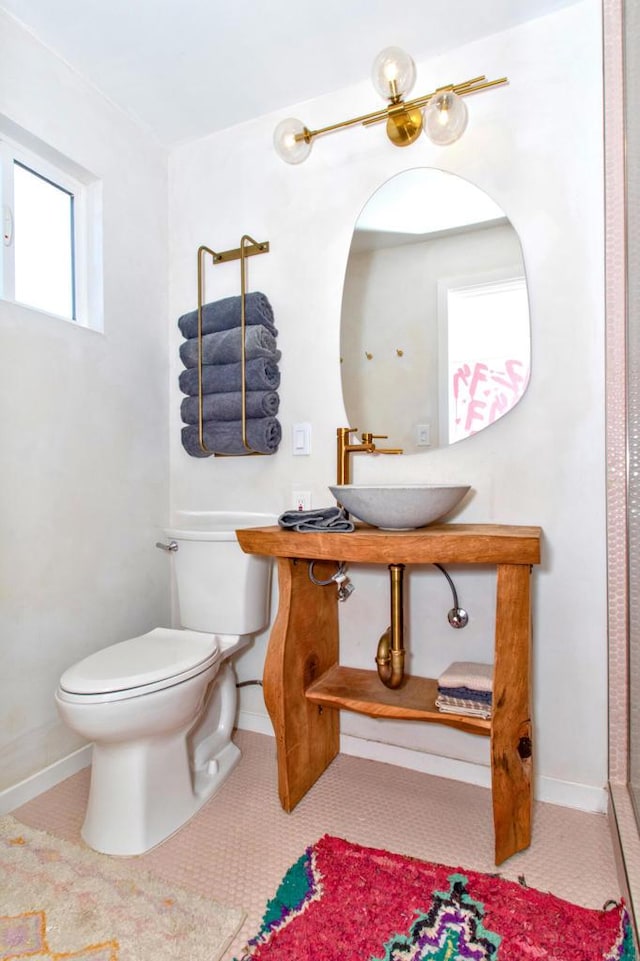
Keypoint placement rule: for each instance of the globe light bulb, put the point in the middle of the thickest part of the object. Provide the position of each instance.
(289, 141)
(393, 73)
(445, 117)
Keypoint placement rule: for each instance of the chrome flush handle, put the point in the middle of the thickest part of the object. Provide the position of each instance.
(171, 546)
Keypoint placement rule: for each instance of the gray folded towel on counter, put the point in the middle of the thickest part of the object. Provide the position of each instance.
(258, 403)
(225, 347)
(262, 373)
(226, 313)
(225, 437)
(330, 519)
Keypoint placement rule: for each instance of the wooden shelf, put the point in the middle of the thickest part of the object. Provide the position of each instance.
(354, 689)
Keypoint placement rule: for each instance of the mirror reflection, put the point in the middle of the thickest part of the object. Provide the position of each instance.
(435, 333)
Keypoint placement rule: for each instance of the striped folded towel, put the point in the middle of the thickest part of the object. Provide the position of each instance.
(459, 705)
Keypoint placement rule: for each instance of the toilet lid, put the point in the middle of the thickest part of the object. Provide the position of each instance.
(162, 654)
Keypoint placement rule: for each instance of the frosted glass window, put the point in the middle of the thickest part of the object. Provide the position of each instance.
(44, 249)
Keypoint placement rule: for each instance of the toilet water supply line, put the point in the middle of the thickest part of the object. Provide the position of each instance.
(345, 587)
(390, 653)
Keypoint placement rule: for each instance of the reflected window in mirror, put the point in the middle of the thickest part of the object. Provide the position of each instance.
(484, 352)
(428, 355)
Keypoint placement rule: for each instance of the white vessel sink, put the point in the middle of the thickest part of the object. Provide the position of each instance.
(399, 507)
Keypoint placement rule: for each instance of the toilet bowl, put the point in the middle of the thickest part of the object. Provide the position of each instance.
(160, 708)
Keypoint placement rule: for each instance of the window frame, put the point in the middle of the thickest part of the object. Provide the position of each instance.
(86, 260)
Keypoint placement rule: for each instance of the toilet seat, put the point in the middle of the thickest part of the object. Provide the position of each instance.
(159, 659)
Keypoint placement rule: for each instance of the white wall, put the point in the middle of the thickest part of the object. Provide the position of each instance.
(535, 147)
(84, 483)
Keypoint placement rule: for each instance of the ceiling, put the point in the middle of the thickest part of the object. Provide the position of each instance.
(186, 68)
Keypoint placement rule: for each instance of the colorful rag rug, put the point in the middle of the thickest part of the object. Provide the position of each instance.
(344, 902)
(62, 901)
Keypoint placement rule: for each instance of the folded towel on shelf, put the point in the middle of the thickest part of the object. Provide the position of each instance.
(226, 313)
(466, 693)
(478, 677)
(225, 347)
(258, 403)
(459, 705)
(262, 373)
(331, 519)
(225, 437)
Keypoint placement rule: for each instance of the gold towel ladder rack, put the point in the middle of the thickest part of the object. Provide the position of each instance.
(248, 248)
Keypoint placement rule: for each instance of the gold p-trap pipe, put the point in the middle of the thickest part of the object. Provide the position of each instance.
(390, 654)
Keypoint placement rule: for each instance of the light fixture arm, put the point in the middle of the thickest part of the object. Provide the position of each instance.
(401, 106)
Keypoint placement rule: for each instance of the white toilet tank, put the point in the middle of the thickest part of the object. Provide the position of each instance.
(221, 590)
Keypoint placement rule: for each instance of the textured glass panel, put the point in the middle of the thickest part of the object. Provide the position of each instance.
(632, 111)
(43, 214)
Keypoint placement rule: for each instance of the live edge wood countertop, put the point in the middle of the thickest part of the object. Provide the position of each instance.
(440, 544)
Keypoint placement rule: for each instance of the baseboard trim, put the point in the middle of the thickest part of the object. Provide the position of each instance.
(582, 797)
(257, 723)
(563, 793)
(550, 790)
(568, 794)
(12, 797)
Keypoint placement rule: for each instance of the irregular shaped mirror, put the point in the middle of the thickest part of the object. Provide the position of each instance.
(435, 333)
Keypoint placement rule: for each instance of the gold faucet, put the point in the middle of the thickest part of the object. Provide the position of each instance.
(366, 446)
(390, 653)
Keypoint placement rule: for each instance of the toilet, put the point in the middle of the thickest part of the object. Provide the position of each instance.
(160, 708)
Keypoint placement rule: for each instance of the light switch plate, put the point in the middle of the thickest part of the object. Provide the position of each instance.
(301, 439)
(423, 435)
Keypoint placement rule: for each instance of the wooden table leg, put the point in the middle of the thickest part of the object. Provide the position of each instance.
(302, 646)
(511, 734)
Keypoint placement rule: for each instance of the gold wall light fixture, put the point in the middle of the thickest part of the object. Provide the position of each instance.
(442, 114)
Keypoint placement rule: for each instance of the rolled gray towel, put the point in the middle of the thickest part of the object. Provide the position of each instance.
(225, 347)
(258, 403)
(330, 519)
(225, 437)
(226, 313)
(261, 374)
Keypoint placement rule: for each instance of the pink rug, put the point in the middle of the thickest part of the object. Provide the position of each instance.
(63, 901)
(344, 902)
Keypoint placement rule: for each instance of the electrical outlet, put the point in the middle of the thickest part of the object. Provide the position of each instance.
(302, 500)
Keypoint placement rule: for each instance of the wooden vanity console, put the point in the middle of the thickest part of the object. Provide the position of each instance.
(305, 687)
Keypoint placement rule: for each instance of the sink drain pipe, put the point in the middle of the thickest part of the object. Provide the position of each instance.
(390, 653)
